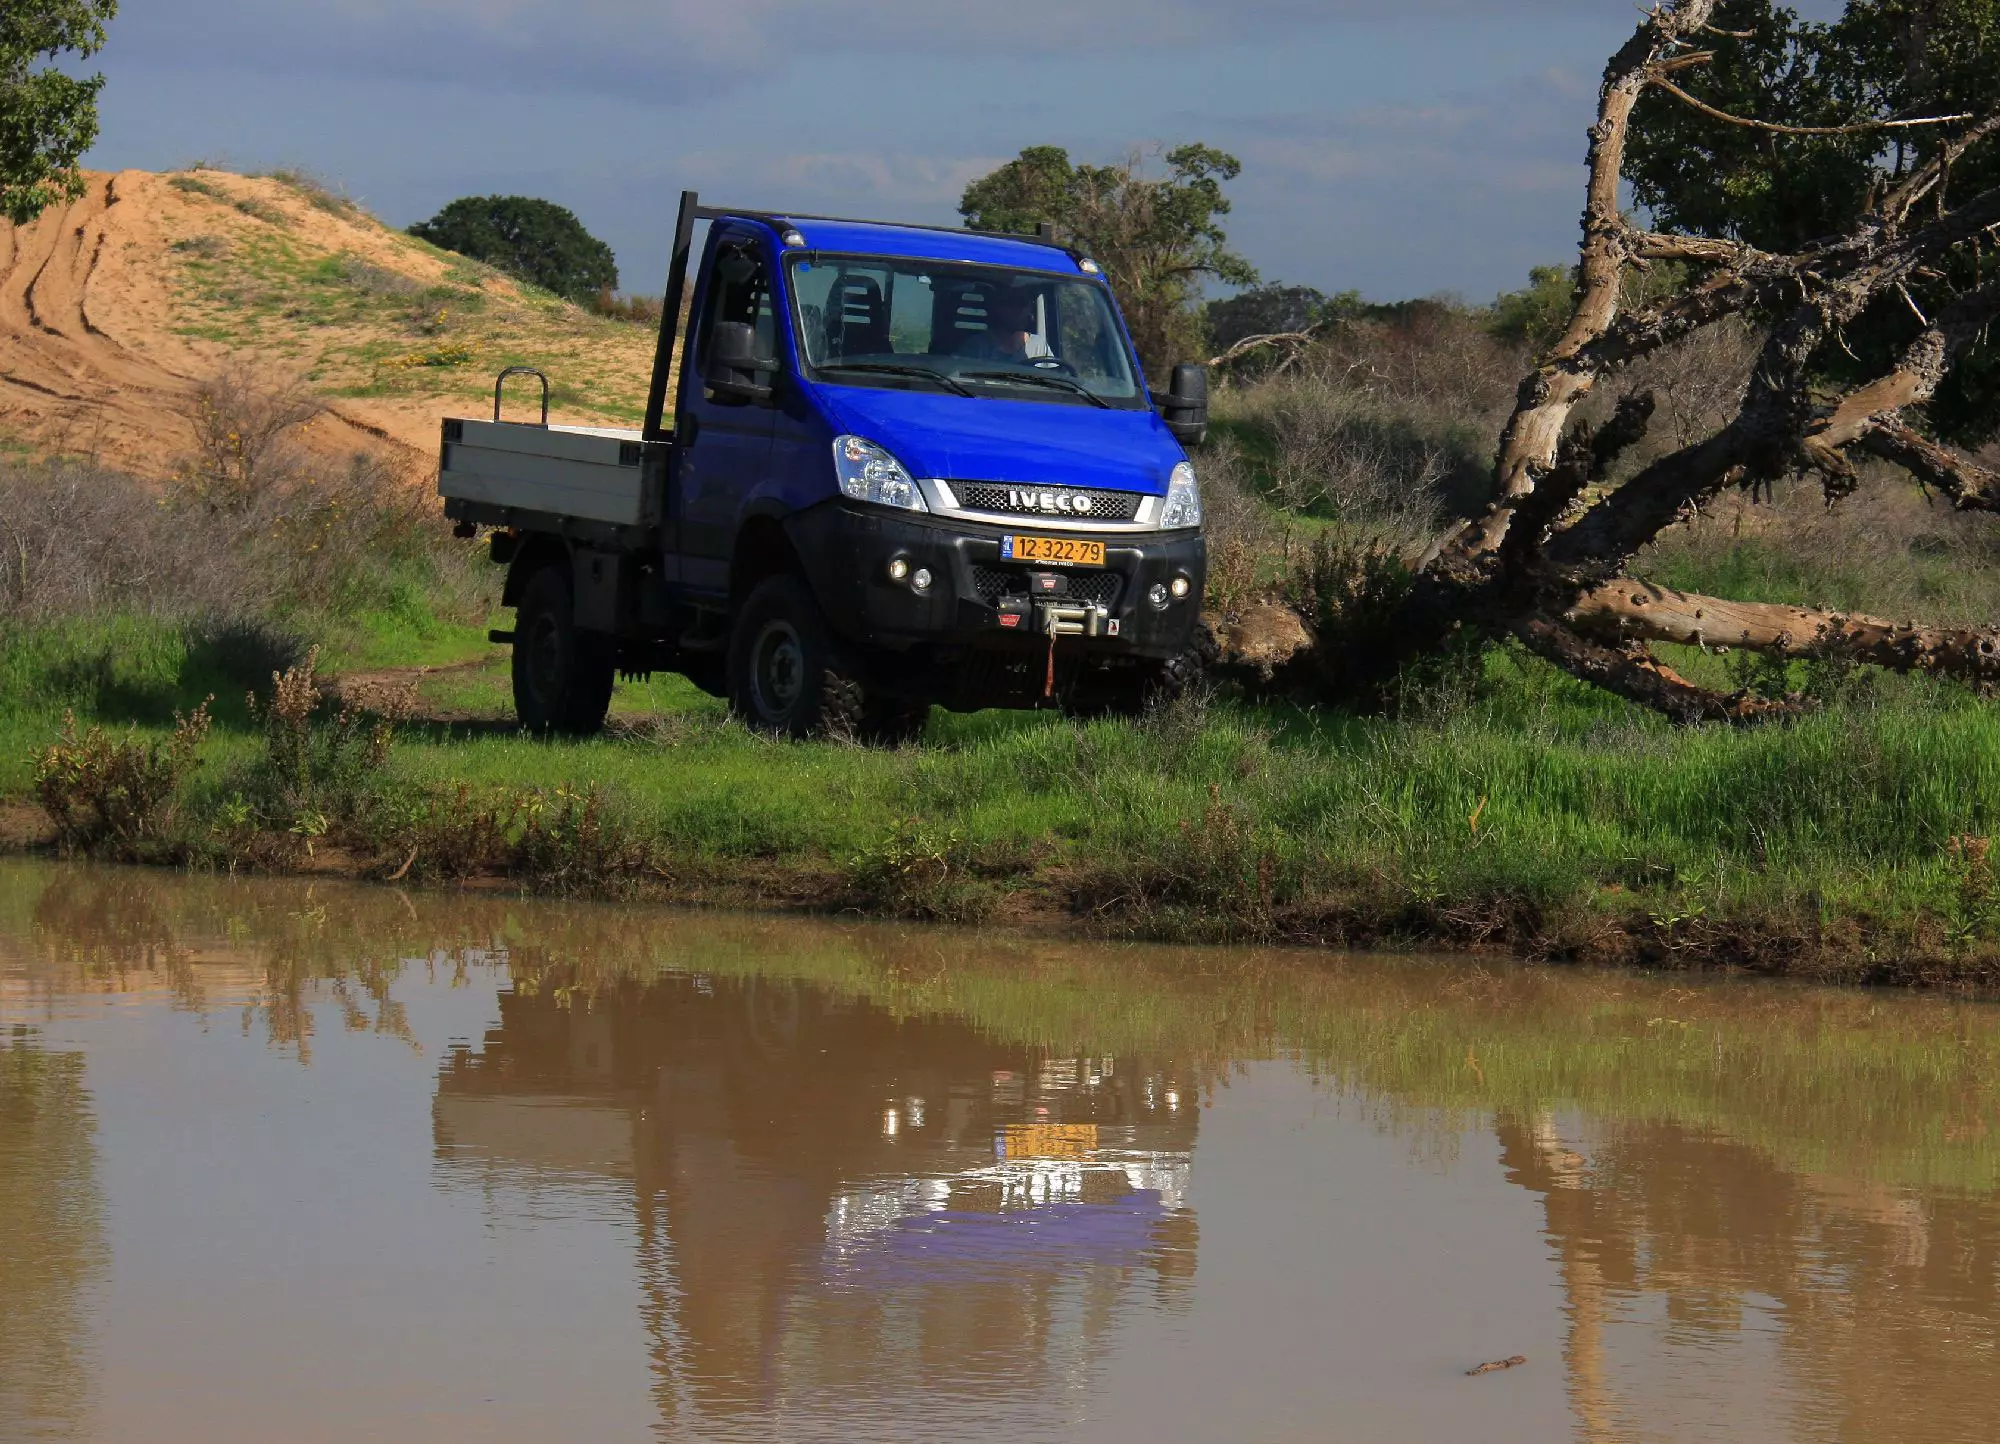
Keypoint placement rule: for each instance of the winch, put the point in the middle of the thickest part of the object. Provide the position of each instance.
(1078, 619)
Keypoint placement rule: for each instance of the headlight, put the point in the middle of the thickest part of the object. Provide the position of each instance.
(1183, 506)
(868, 473)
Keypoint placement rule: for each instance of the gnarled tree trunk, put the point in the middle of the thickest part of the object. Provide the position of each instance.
(1548, 567)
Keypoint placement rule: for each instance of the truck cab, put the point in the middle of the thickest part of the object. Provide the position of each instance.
(884, 467)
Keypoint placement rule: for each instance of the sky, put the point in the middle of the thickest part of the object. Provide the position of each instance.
(1395, 147)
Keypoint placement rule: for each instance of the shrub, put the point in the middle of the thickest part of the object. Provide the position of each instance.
(571, 844)
(317, 762)
(569, 841)
(253, 531)
(245, 437)
(638, 310)
(1225, 873)
(539, 241)
(316, 192)
(115, 795)
(921, 870)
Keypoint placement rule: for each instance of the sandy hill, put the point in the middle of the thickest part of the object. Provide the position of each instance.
(112, 311)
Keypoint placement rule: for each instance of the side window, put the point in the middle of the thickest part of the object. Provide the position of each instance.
(740, 290)
(1086, 342)
(910, 312)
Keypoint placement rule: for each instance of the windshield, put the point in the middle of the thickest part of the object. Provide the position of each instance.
(970, 330)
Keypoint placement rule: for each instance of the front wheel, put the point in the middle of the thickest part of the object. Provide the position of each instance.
(562, 677)
(786, 674)
(1135, 691)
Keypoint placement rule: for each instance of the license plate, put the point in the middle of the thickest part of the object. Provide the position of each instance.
(1061, 550)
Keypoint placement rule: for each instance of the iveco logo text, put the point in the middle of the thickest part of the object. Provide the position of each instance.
(1056, 501)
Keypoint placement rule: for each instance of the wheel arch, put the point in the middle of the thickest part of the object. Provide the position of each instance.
(763, 549)
(537, 550)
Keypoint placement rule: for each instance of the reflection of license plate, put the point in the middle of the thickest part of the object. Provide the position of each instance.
(1062, 550)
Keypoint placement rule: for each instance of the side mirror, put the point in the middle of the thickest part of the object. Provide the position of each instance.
(733, 364)
(1185, 407)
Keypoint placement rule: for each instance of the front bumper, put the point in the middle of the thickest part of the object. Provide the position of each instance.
(848, 550)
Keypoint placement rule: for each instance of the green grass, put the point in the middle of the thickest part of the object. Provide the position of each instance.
(1542, 800)
(1539, 813)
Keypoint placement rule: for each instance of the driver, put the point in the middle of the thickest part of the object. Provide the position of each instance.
(1011, 330)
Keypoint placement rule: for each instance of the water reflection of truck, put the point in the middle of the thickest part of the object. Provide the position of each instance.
(818, 1181)
(900, 466)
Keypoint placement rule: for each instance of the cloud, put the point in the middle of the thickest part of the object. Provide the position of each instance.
(714, 45)
(1470, 188)
(1380, 150)
(840, 178)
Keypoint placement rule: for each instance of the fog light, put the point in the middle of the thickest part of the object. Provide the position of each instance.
(1157, 595)
(1182, 586)
(922, 580)
(898, 569)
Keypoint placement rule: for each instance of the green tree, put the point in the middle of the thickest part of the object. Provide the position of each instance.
(1880, 60)
(1270, 310)
(537, 240)
(48, 119)
(1536, 314)
(1158, 237)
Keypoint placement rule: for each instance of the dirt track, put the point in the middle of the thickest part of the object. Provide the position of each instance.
(91, 352)
(104, 333)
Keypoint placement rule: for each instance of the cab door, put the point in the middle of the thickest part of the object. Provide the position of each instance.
(723, 444)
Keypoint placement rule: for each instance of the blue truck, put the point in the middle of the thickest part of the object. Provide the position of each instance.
(883, 467)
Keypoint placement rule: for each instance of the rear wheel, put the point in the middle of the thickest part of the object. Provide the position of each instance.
(786, 673)
(562, 677)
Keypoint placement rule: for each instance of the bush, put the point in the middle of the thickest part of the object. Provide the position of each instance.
(919, 871)
(254, 531)
(317, 761)
(537, 240)
(115, 795)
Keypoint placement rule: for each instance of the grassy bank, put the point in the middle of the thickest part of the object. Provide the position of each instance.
(1531, 815)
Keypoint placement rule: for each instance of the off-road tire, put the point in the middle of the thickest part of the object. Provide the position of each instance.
(787, 675)
(1135, 691)
(562, 677)
(1175, 677)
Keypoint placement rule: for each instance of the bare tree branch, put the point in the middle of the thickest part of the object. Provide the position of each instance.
(1665, 246)
(1971, 486)
(1633, 673)
(1627, 611)
(1528, 445)
(1859, 127)
(1915, 379)
(1896, 205)
(1248, 344)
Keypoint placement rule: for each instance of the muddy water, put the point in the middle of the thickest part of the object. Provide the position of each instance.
(292, 1163)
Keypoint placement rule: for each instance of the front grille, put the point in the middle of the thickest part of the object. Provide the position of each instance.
(993, 583)
(1027, 501)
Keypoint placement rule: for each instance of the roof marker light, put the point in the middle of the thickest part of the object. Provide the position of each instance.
(1089, 267)
(793, 238)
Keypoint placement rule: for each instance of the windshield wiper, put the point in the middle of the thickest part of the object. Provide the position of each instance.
(888, 368)
(1040, 378)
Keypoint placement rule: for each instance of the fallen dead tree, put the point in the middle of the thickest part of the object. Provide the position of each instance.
(1547, 562)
